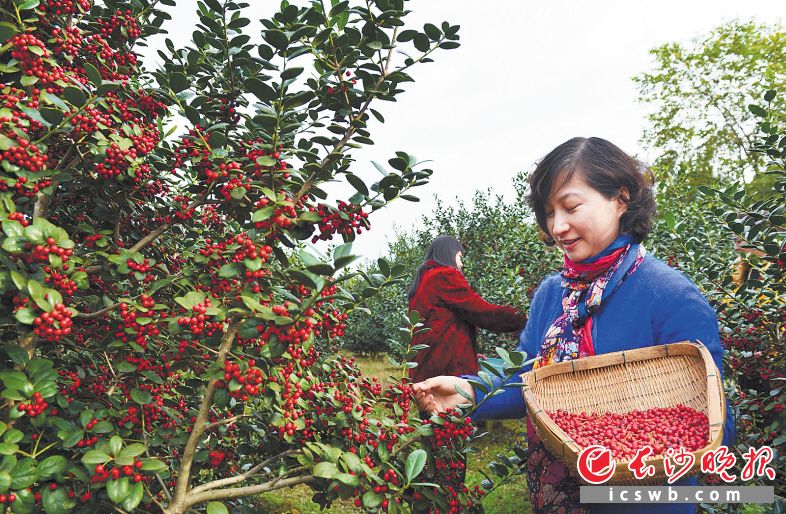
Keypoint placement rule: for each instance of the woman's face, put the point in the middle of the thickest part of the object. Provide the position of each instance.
(581, 220)
(458, 260)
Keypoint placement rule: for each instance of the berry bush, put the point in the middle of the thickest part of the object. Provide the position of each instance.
(160, 317)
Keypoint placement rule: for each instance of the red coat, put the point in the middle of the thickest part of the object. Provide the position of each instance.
(453, 311)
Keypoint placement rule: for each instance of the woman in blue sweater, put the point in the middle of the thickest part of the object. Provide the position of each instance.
(595, 203)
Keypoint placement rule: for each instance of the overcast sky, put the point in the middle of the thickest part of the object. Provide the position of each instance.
(528, 76)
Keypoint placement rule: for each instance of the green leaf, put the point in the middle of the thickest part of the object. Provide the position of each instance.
(134, 497)
(238, 193)
(6, 143)
(118, 490)
(276, 38)
(266, 161)
(216, 508)
(26, 5)
(8, 448)
(189, 300)
(53, 116)
(5, 482)
(372, 500)
(103, 427)
(126, 367)
(24, 474)
(178, 82)
(357, 183)
(70, 440)
(13, 436)
(25, 502)
(7, 31)
(16, 353)
(263, 214)
(153, 465)
(19, 280)
(757, 111)
(13, 228)
(141, 397)
(415, 463)
(132, 450)
(260, 89)
(231, 269)
(291, 73)
(34, 234)
(25, 316)
(52, 465)
(74, 96)
(92, 74)
(325, 470)
(57, 501)
(115, 445)
(93, 457)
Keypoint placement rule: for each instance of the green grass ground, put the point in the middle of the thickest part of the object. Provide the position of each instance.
(511, 498)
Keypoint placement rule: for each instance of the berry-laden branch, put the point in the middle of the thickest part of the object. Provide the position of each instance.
(184, 473)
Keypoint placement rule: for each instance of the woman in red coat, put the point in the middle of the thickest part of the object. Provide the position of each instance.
(453, 312)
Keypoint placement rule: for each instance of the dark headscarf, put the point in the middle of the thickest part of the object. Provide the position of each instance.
(441, 252)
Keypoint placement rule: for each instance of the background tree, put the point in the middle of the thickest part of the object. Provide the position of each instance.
(503, 260)
(698, 95)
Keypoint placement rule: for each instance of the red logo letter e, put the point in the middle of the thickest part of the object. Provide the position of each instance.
(595, 464)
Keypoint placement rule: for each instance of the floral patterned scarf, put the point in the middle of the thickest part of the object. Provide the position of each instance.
(585, 285)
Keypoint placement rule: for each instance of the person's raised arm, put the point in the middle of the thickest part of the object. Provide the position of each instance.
(454, 292)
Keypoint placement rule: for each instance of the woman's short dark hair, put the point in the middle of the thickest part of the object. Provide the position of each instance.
(442, 250)
(606, 169)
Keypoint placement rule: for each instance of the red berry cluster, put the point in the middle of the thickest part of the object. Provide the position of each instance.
(347, 219)
(34, 63)
(60, 281)
(40, 253)
(222, 171)
(102, 473)
(625, 434)
(249, 379)
(284, 215)
(24, 155)
(58, 8)
(144, 267)
(55, 324)
(235, 183)
(252, 151)
(36, 407)
(19, 218)
(216, 458)
(122, 25)
(196, 323)
(130, 330)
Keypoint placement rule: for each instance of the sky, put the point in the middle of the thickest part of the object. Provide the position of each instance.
(528, 76)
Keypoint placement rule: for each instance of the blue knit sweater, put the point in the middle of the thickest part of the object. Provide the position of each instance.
(655, 305)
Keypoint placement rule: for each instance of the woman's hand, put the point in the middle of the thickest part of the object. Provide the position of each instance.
(438, 394)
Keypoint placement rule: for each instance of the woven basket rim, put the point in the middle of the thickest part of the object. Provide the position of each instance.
(567, 450)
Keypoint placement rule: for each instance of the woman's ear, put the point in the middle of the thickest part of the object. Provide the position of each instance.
(623, 197)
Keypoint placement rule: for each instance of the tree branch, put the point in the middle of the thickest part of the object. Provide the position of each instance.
(329, 158)
(184, 473)
(243, 476)
(237, 492)
(227, 421)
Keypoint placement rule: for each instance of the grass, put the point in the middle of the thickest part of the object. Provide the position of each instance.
(511, 498)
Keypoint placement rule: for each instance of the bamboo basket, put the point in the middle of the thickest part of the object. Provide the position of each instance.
(645, 378)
